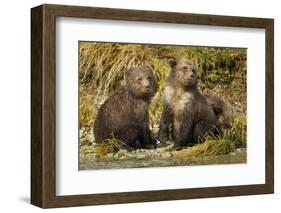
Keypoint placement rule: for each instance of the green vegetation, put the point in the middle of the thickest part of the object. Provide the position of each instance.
(238, 132)
(222, 71)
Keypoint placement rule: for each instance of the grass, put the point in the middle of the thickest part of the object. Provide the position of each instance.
(110, 146)
(235, 137)
(221, 71)
(238, 132)
(210, 147)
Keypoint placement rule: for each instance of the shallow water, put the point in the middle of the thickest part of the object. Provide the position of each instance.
(160, 157)
(144, 158)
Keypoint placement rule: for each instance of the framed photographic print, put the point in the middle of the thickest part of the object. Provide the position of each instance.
(136, 106)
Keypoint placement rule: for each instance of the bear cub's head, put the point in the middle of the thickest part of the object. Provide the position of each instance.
(140, 82)
(184, 72)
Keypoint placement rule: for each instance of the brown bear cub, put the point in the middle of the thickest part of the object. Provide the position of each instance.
(222, 111)
(124, 115)
(186, 112)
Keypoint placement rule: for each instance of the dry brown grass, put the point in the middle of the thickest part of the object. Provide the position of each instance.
(210, 147)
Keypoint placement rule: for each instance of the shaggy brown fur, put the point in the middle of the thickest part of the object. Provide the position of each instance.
(186, 111)
(222, 111)
(124, 115)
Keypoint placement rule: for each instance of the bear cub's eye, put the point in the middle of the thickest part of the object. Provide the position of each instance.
(139, 78)
(184, 67)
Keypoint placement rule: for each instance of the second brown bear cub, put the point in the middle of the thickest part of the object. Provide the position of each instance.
(186, 111)
(124, 115)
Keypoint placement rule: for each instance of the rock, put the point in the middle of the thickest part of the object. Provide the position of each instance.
(141, 156)
(120, 153)
(81, 133)
(123, 158)
(90, 137)
(109, 155)
(165, 155)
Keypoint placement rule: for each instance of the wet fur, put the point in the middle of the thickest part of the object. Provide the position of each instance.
(186, 111)
(124, 115)
(223, 111)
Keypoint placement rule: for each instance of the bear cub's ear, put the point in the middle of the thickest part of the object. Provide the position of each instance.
(172, 62)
